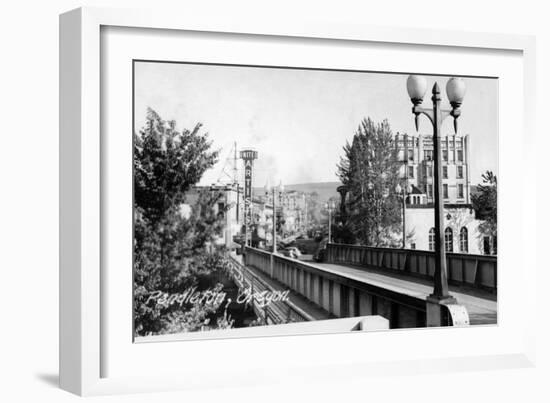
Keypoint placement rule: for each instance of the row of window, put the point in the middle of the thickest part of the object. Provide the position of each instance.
(429, 155)
(427, 143)
(445, 145)
(410, 143)
(428, 171)
(489, 242)
(459, 191)
(462, 244)
(459, 172)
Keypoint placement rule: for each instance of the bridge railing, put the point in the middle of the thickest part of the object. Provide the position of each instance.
(274, 313)
(340, 295)
(478, 271)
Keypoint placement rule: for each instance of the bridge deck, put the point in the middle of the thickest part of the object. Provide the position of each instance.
(481, 310)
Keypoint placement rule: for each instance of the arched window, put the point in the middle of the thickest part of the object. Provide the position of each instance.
(448, 239)
(464, 240)
(431, 239)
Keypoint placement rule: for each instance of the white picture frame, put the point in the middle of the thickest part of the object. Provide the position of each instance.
(82, 306)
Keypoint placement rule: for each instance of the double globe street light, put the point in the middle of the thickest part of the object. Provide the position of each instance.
(456, 89)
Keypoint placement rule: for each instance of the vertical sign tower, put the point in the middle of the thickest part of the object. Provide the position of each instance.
(248, 156)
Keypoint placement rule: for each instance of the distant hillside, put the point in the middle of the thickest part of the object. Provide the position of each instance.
(325, 190)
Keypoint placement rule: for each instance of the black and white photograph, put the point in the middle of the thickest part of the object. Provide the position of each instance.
(270, 200)
(275, 202)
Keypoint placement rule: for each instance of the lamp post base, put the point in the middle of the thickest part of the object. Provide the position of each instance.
(437, 310)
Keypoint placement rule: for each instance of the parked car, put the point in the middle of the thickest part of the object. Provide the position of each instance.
(295, 251)
(285, 252)
(292, 252)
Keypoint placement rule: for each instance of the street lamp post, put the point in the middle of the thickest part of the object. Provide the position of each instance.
(276, 192)
(330, 206)
(406, 190)
(456, 89)
(281, 190)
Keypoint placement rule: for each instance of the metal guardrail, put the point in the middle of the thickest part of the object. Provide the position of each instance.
(275, 312)
(478, 271)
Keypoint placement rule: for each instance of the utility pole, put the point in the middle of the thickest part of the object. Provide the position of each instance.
(235, 174)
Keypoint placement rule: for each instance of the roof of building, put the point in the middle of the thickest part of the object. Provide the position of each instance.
(416, 191)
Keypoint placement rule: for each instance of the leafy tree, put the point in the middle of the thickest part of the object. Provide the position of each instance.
(167, 163)
(171, 249)
(370, 169)
(484, 202)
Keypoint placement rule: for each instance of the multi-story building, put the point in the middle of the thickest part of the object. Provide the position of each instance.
(291, 210)
(462, 230)
(417, 154)
(290, 213)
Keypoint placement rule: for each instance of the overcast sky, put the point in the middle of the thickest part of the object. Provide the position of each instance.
(299, 120)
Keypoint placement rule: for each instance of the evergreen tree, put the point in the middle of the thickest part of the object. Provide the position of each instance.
(370, 170)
